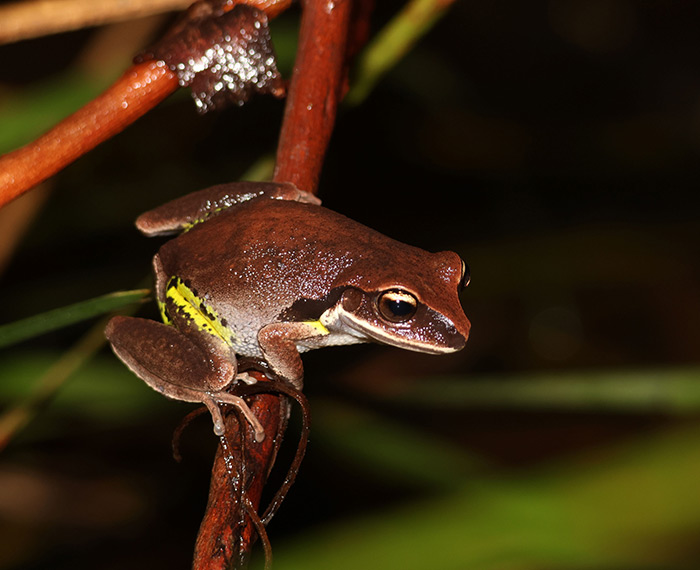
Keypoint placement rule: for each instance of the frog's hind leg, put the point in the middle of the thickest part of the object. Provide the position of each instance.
(170, 363)
(161, 284)
(187, 211)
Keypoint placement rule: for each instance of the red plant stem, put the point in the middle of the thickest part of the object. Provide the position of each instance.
(141, 88)
(316, 87)
(315, 90)
(226, 533)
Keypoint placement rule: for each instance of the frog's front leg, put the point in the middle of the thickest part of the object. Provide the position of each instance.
(170, 363)
(278, 342)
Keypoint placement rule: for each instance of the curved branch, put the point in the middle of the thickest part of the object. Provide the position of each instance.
(141, 88)
(23, 20)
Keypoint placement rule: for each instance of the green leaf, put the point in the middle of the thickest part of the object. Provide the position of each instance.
(675, 390)
(392, 43)
(630, 507)
(30, 327)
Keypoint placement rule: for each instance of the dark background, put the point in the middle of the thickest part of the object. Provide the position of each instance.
(555, 146)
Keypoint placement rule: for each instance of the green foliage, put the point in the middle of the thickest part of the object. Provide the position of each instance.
(43, 106)
(36, 325)
(116, 397)
(611, 509)
(664, 390)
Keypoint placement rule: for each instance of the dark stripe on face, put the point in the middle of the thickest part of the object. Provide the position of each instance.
(310, 309)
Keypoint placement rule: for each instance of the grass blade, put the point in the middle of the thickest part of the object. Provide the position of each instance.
(36, 325)
(18, 416)
(392, 43)
(675, 390)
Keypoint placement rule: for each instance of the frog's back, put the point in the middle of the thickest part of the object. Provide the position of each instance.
(256, 260)
(248, 261)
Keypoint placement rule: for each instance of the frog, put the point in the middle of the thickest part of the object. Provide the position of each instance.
(261, 272)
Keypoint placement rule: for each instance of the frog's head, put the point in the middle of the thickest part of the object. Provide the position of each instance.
(416, 308)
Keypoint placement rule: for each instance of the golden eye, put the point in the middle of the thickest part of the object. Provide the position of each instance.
(397, 306)
(466, 276)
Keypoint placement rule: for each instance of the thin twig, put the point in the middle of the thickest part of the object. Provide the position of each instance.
(23, 20)
(140, 89)
(262, 533)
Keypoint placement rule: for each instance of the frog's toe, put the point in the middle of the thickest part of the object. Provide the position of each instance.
(247, 378)
(308, 198)
(226, 398)
(216, 417)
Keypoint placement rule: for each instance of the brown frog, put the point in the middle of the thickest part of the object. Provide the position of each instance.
(261, 270)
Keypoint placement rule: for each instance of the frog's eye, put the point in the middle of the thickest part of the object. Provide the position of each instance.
(396, 305)
(466, 276)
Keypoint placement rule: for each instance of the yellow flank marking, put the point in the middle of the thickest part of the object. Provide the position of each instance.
(204, 317)
(318, 325)
(187, 226)
(164, 313)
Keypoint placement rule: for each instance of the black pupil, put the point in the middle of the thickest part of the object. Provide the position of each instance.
(399, 308)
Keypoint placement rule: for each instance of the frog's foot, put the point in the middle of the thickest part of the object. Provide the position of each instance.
(212, 403)
(170, 363)
(247, 378)
(306, 198)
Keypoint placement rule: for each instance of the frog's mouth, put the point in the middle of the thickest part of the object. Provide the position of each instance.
(440, 337)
